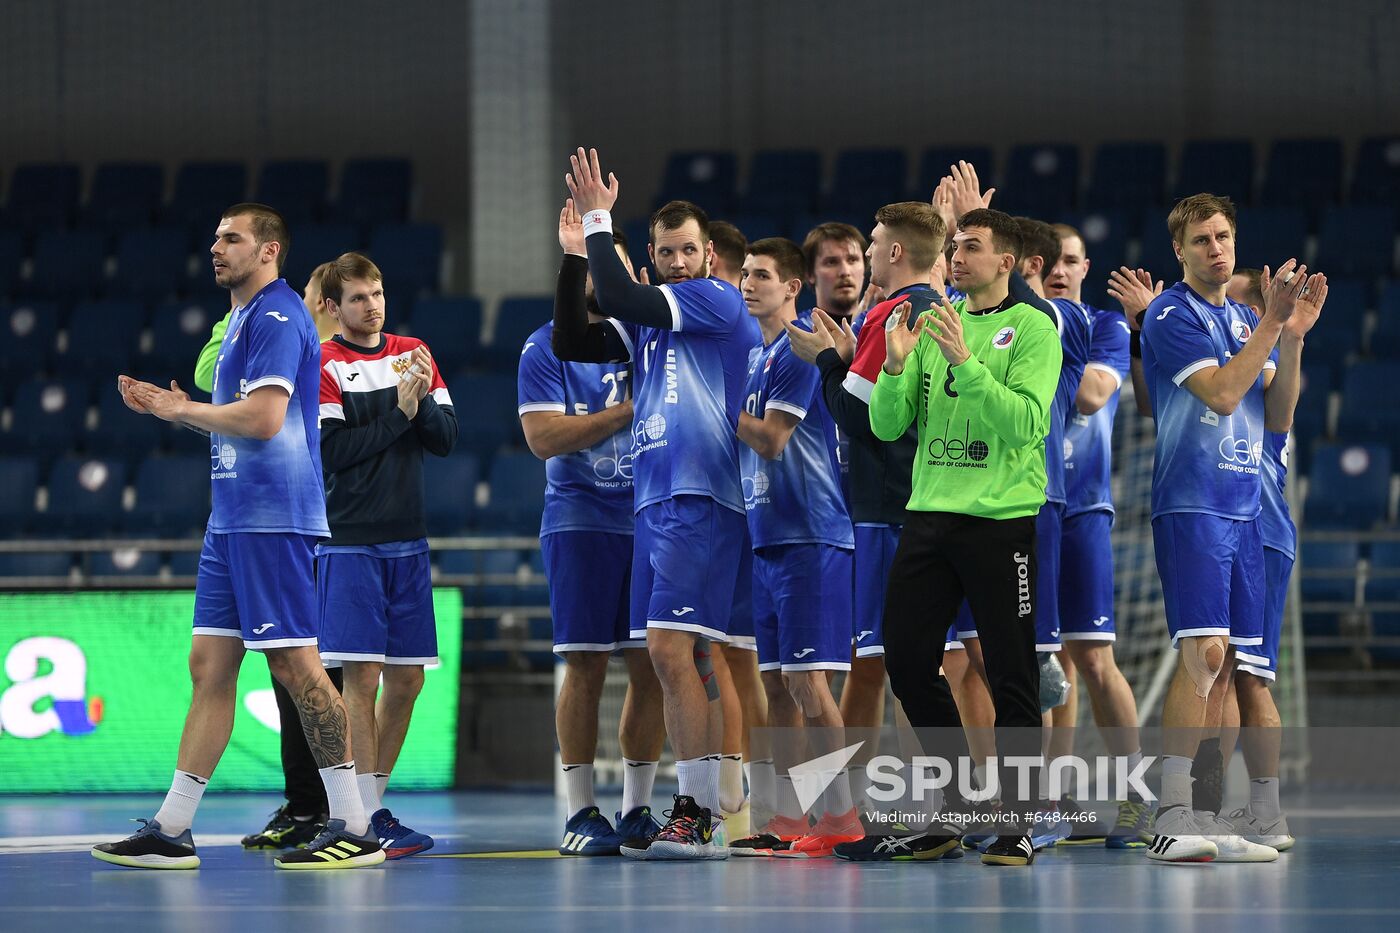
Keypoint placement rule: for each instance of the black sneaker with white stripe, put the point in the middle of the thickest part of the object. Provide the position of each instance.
(1011, 847)
(334, 848)
(150, 848)
(942, 843)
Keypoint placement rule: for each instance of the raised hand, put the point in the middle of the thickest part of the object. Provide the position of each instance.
(571, 238)
(942, 202)
(643, 277)
(807, 345)
(842, 337)
(874, 294)
(949, 332)
(1281, 290)
(1308, 307)
(586, 183)
(900, 341)
(966, 190)
(1134, 290)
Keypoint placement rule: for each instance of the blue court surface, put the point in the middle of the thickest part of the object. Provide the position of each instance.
(1341, 875)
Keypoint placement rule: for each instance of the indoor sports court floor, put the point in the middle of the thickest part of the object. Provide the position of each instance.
(488, 872)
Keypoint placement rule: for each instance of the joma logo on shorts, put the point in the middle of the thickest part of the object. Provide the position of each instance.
(1023, 583)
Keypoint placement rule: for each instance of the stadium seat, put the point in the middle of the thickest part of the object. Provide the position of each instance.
(1337, 334)
(375, 191)
(1126, 176)
(313, 244)
(1383, 581)
(1218, 166)
(19, 481)
(450, 484)
(492, 400)
(1310, 415)
(68, 265)
(1155, 253)
(1042, 180)
(1348, 487)
(504, 567)
(38, 564)
(638, 235)
(172, 497)
(179, 330)
(29, 330)
(85, 495)
(1105, 235)
(1385, 339)
(184, 563)
(517, 317)
(125, 195)
(755, 226)
(152, 265)
(43, 196)
(123, 434)
(516, 499)
(47, 418)
(935, 162)
(295, 188)
(11, 258)
(1270, 236)
(784, 182)
(102, 335)
(410, 256)
(706, 177)
(1328, 571)
(1377, 176)
(123, 562)
(1356, 240)
(1304, 173)
(450, 326)
(1364, 414)
(202, 191)
(866, 179)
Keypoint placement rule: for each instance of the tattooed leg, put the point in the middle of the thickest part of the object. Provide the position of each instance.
(322, 711)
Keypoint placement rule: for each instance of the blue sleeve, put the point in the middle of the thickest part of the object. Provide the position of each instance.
(707, 307)
(276, 345)
(792, 385)
(540, 378)
(1180, 342)
(1109, 346)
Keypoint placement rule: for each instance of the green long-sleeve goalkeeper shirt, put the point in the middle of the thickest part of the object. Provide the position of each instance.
(204, 366)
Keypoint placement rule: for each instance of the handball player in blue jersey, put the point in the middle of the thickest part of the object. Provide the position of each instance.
(802, 541)
(255, 588)
(685, 340)
(577, 417)
(1217, 385)
(1086, 549)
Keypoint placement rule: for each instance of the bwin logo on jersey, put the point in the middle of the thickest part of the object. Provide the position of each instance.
(673, 379)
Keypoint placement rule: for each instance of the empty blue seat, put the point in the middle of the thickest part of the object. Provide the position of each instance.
(1337, 334)
(1218, 166)
(410, 256)
(1042, 180)
(1156, 254)
(784, 182)
(103, 334)
(375, 191)
(19, 481)
(1270, 236)
(179, 330)
(313, 244)
(124, 562)
(172, 497)
(1385, 340)
(450, 484)
(502, 572)
(936, 161)
(1377, 176)
(295, 188)
(48, 418)
(85, 495)
(517, 317)
(122, 433)
(706, 177)
(51, 565)
(450, 326)
(125, 195)
(1303, 173)
(1310, 415)
(1383, 582)
(1127, 175)
(43, 195)
(68, 265)
(29, 330)
(1356, 240)
(517, 494)
(1349, 486)
(1105, 234)
(492, 400)
(1365, 414)
(184, 563)
(1328, 571)
(757, 226)
(11, 257)
(152, 265)
(866, 179)
(202, 191)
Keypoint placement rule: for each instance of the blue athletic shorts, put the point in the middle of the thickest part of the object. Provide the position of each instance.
(1212, 572)
(590, 578)
(741, 630)
(875, 547)
(685, 565)
(1048, 523)
(802, 607)
(257, 586)
(1086, 577)
(1263, 660)
(963, 627)
(376, 607)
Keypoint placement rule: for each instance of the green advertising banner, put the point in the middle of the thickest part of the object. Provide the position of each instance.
(94, 689)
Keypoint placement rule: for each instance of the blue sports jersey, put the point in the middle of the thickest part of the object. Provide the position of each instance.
(273, 485)
(1074, 325)
(687, 395)
(588, 490)
(1089, 438)
(1275, 523)
(1205, 462)
(796, 498)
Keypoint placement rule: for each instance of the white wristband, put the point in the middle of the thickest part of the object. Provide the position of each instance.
(597, 222)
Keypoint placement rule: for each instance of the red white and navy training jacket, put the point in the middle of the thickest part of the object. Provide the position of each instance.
(371, 454)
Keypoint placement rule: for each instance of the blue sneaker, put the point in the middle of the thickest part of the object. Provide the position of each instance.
(1049, 827)
(150, 848)
(588, 832)
(637, 828)
(396, 839)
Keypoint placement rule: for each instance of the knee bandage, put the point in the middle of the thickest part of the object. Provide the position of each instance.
(1195, 655)
(705, 667)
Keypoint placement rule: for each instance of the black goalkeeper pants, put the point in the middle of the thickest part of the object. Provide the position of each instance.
(306, 794)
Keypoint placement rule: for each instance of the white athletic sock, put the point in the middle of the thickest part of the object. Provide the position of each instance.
(578, 786)
(748, 776)
(787, 798)
(836, 799)
(637, 779)
(381, 783)
(731, 783)
(699, 779)
(859, 779)
(1176, 781)
(763, 790)
(176, 814)
(343, 796)
(369, 792)
(1263, 798)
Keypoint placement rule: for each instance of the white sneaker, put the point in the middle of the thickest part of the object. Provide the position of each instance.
(1231, 846)
(1273, 833)
(1178, 839)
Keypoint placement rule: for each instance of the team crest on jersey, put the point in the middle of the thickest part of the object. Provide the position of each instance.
(400, 365)
(1004, 337)
(1241, 331)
